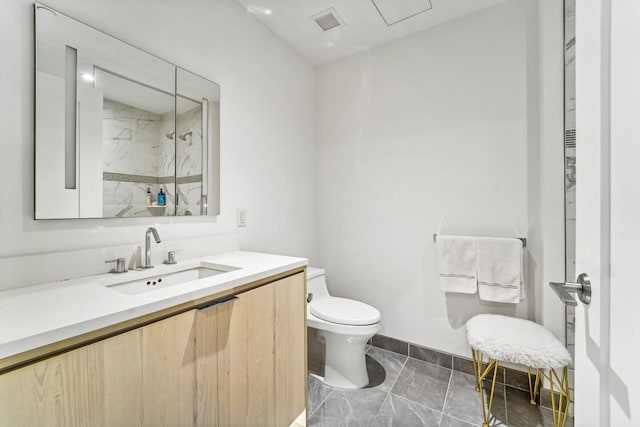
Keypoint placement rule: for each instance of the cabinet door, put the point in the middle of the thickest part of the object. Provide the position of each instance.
(262, 355)
(144, 377)
(168, 371)
(207, 366)
(290, 348)
(95, 385)
(246, 360)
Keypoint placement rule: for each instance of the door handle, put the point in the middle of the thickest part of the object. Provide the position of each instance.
(582, 287)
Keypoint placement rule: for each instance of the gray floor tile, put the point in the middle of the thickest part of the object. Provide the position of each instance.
(545, 397)
(424, 383)
(384, 373)
(548, 418)
(318, 420)
(397, 411)
(448, 421)
(521, 413)
(419, 391)
(463, 401)
(349, 408)
(318, 392)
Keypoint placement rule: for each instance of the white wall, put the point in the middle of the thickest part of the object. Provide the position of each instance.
(457, 129)
(267, 128)
(433, 133)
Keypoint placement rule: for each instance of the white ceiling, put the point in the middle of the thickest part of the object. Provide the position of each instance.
(364, 26)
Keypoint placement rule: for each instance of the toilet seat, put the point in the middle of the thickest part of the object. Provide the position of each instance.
(344, 311)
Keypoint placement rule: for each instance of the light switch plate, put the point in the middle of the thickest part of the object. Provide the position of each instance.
(242, 217)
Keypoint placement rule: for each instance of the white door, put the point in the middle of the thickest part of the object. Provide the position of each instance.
(607, 359)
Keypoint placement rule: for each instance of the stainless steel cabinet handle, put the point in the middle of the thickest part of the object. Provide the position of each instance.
(582, 287)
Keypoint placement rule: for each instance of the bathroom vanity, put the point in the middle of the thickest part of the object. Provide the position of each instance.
(227, 349)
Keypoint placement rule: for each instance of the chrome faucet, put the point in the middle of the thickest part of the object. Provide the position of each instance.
(147, 245)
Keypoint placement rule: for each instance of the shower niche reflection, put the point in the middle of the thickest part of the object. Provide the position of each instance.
(115, 126)
(136, 153)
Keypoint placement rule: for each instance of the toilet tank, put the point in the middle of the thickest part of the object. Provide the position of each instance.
(316, 283)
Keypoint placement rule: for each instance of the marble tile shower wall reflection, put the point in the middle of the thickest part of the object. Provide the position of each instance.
(570, 167)
(189, 161)
(166, 160)
(131, 152)
(570, 135)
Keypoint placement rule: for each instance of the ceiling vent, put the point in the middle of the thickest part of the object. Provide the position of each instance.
(328, 19)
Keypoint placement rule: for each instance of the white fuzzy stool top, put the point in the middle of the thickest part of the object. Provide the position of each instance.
(519, 341)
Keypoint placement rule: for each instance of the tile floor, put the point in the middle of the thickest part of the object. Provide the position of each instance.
(409, 392)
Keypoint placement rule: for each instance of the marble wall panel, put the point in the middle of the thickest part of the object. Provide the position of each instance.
(169, 190)
(117, 193)
(132, 143)
(189, 198)
(166, 153)
(189, 152)
(147, 142)
(118, 132)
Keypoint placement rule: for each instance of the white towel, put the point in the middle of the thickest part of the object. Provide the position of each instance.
(456, 257)
(500, 269)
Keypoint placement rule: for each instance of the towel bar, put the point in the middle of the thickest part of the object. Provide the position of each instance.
(523, 239)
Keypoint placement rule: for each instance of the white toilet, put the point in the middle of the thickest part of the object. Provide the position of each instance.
(344, 326)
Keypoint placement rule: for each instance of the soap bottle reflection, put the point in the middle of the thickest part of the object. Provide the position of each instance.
(162, 200)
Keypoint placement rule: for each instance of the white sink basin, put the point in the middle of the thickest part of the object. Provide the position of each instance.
(170, 278)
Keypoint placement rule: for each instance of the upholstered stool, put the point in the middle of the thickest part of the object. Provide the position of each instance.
(521, 342)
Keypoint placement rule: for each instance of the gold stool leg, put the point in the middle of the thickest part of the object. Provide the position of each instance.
(561, 409)
(480, 376)
(477, 367)
(534, 386)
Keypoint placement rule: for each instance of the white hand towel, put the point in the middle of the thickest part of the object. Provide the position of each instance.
(456, 258)
(500, 269)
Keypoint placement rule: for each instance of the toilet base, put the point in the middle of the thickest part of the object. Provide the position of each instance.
(345, 365)
(344, 360)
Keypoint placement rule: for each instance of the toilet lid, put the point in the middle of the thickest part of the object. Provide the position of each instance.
(344, 311)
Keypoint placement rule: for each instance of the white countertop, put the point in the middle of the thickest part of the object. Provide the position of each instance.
(35, 316)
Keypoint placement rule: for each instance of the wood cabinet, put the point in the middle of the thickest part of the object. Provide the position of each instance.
(141, 377)
(240, 362)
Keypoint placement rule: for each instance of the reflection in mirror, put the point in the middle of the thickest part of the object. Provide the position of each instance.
(106, 137)
(197, 145)
(137, 146)
(189, 154)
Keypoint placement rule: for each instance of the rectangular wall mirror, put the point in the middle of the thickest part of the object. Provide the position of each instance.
(118, 130)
